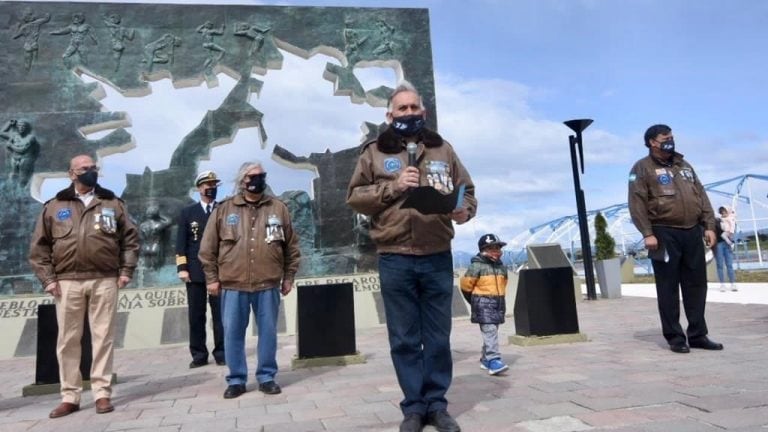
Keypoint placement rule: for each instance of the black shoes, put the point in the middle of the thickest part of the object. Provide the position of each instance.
(198, 363)
(234, 391)
(269, 387)
(705, 343)
(221, 362)
(680, 348)
(412, 423)
(442, 421)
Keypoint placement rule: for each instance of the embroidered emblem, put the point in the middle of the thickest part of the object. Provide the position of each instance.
(64, 214)
(233, 219)
(664, 179)
(632, 177)
(392, 164)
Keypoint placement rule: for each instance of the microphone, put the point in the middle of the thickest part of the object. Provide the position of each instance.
(411, 148)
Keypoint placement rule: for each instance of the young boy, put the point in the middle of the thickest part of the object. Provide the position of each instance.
(484, 286)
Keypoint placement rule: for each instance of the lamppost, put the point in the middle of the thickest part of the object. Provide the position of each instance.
(586, 251)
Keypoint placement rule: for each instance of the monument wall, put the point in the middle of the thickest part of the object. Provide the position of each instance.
(48, 110)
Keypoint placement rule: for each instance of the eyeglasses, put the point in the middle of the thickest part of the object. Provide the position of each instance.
(83, 170)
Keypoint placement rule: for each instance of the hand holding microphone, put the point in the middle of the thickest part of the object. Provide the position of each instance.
(409, 177)
(411, 148)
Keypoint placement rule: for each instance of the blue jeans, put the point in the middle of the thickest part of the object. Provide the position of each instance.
(417, 293)
(724, 253)
(235, 314)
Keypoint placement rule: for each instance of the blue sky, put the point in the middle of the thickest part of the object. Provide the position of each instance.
(508, 73)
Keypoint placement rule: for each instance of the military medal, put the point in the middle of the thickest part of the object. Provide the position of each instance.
(195, 227)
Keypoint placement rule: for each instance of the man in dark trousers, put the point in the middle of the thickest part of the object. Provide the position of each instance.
(670, 208)
(192, 222)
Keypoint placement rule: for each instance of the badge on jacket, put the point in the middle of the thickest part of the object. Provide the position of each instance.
(107, 220)
(274, 229)
(439, 176)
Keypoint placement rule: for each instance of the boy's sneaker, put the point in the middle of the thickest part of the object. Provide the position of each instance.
(722, 287)
(496, 366)
(484, 364)
(733, 287)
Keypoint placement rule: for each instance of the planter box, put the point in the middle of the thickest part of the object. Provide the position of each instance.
(609, 277)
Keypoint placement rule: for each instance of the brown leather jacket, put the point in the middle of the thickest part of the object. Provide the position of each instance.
(667, 195)
(74, 242)
(372, 192)
(244, 248)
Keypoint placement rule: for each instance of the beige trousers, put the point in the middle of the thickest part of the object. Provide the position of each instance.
(97, 297)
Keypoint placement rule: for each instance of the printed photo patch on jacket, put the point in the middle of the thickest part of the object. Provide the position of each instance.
(274, 229)
(233, 219)
(439, 176)
(107, 220)
(64, 214)
(687, 174)
(392, 164)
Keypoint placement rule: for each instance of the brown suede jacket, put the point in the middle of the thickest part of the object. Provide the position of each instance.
(372, 192)
(667, 194)
(72, 241)
(241, 252)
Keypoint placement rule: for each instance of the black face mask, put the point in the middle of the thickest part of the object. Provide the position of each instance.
(257, 184)
(408, 125)
(88, 178)
(210, 193)
(667, 146)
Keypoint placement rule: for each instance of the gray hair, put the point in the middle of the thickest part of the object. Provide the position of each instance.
(244, 168)
(402, 87)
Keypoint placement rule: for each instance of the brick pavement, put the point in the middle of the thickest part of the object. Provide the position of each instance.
(623, 379)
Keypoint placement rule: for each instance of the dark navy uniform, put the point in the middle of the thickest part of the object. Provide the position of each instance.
(191, 224)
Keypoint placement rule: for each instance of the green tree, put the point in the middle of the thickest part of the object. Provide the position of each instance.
(604, 244)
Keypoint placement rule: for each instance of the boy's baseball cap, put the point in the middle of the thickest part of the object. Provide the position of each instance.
(489, 240)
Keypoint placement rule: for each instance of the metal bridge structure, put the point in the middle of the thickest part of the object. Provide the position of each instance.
(746, 195)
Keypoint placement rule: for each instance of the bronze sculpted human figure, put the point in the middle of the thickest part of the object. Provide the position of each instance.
(119, 34)
(22, 150)
(156, 52)
(152, 233)
(215, 52)
(79, 31)
(30, 29)
(256, 33)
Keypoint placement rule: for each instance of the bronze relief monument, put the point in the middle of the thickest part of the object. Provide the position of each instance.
(48, 46)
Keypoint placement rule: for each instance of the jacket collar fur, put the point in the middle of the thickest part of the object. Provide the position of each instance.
(70, 194)
(391, 143)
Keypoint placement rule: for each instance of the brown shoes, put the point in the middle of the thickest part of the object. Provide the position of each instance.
(64, 409)
(103, 406)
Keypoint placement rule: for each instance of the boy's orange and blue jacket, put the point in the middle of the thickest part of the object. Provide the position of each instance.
(484, 286)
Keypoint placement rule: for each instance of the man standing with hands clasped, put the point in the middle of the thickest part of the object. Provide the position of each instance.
(191, 225)
(670, 208)
(250, 256)
(83, 250)
(415, 261)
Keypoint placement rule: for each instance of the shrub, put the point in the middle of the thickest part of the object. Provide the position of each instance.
(604, 244)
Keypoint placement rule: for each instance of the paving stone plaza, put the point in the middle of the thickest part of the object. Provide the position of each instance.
(624, 378)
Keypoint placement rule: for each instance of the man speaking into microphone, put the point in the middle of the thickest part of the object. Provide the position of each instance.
(415, 261)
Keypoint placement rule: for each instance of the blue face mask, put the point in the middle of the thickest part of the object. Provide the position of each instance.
(408, 125)
(668, 146)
